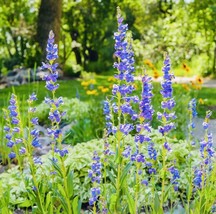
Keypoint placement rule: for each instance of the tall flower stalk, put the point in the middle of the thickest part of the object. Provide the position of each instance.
(119, 109)
(166, 118)
(191, 143)
(23, 146)
(59, 154)
(143, 127)
(204, 171)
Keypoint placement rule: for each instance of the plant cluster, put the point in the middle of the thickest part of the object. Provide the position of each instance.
(132, 169)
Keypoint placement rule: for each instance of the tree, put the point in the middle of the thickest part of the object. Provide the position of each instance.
(205, 14)
(17, 31)
(49, 18)
(91, 24)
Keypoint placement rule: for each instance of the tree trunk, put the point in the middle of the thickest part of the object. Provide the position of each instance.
(49, 18)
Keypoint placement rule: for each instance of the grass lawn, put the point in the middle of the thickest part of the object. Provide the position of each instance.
(73, 88)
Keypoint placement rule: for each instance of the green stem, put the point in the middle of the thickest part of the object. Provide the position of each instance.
(163, 178)
(36, 185)
(94, 209)
(137, 187)
(66, 187)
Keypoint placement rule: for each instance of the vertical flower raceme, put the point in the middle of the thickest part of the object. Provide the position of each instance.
(175, 177)
(55, 115)
(121, 102)
(95, 175)
(119, 110)
(123, 51)
(206, 145)
(34, 132)
(168, 102)
(166, 118)
(197, 181)
(145, 116)
(12, 128)
(52, 55)
(204, 169)
(192, 115)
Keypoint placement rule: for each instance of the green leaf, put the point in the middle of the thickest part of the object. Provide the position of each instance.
(63, 202)
(131, 203)
(113, 167)
(111, 177)
(70, 185)
(166, 192)
(57, 168)
(124, 173)
(156, 203)
(113, 201)
(76, 205)
(61, 190)
(48, 201)
(26, 203)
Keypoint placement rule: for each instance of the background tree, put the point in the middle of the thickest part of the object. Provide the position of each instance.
(17, 24)
(186, 29)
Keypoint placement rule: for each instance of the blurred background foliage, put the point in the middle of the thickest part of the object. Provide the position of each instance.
(84, 30)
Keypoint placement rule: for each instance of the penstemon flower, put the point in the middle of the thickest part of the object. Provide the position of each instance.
(54, 103)
(175, 177)
(192, 115)
(13, 131)
(168, 102)
(119, 110)
(202, 171)
(95, 176)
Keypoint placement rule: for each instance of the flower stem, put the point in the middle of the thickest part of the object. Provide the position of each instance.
(66, 187)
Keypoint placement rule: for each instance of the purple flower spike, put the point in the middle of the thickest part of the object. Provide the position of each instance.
(175, 177)
(146, 110)
(123, 51)
(152, 151)
(197, 178)
(95, 175)
(168, 102)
